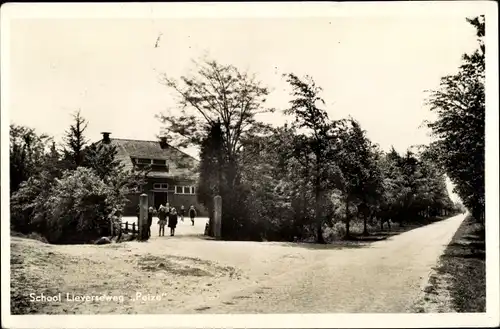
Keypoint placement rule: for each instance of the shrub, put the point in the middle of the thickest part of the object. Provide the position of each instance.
(78, 208)
(336, 232)
(27, 206)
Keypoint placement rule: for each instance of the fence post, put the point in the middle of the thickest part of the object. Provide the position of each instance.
(126, 227)
(143, 218)
(217, 216)
(133, 228)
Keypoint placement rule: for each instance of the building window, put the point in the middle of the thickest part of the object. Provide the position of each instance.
(143, 161)
(184, 189)
(159, 162)
(160, 165)
(160, 186)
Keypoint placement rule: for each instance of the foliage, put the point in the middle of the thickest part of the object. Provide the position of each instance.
(75, 142)
(212, 162)
(460, 106)
(27, 150)
(101, 158)
(78, 208)
(216, 93)
(219, 96)
(67, 206)
(315, 148)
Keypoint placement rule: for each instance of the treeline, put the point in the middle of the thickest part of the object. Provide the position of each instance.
(460, 128)
(66, 194)
(292, 183)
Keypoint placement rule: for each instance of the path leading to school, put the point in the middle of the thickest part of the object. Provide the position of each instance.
(193, 274)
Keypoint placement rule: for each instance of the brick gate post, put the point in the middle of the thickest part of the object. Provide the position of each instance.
(142, 225)
(217, 216)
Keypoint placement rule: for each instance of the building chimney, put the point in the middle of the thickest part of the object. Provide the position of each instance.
(105, 137)
(163, 142)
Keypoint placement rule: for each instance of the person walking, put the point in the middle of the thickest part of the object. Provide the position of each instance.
(162, 216)
(192, 214)
(183, 213)
(172, 221)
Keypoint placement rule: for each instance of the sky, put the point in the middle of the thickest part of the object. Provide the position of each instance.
(375, 69)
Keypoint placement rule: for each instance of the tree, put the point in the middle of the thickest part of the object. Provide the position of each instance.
(354, 159)
(459, 129)
(75, 141)
(219, 93)
(27, 151)
(28, 208)
(101, 158)
(371, 180)
(317, 142)
(211, 164)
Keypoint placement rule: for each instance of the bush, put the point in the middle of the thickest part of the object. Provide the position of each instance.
(336, 232)
(27, 206)
(78, 208)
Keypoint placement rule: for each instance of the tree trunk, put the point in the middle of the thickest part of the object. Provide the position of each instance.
(365, 229)
(347, 219)
(319, 233)
(317, 198)
(319, 222)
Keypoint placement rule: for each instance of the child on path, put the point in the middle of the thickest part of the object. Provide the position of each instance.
(192, 214)
(172, 221)
(162, 216)
(183, 212)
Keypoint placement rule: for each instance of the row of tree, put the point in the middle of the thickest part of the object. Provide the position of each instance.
(67, 194)
(292, 182)
(460, 128)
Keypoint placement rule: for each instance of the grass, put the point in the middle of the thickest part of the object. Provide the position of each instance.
(462, 270)
(464, 260)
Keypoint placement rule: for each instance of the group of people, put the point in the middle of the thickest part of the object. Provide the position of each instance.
(168, 216)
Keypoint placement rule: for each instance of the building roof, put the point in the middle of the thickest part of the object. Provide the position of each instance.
(180, 164)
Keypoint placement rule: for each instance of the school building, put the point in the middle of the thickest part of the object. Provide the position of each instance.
(172, 178)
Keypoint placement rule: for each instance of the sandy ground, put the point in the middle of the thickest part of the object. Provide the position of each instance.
(192, 274)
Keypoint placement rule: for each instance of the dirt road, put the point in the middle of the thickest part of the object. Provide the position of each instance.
(195, 275)
(386, 276)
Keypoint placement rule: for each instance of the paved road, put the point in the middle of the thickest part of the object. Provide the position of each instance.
(386, 276)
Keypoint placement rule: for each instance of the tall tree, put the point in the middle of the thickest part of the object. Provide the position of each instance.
(211, 164)
(318, 140)
(218, 93)
(353, 159)
(460, 106)
(75, 141)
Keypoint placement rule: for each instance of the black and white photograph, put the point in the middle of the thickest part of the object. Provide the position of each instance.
(250, 164)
